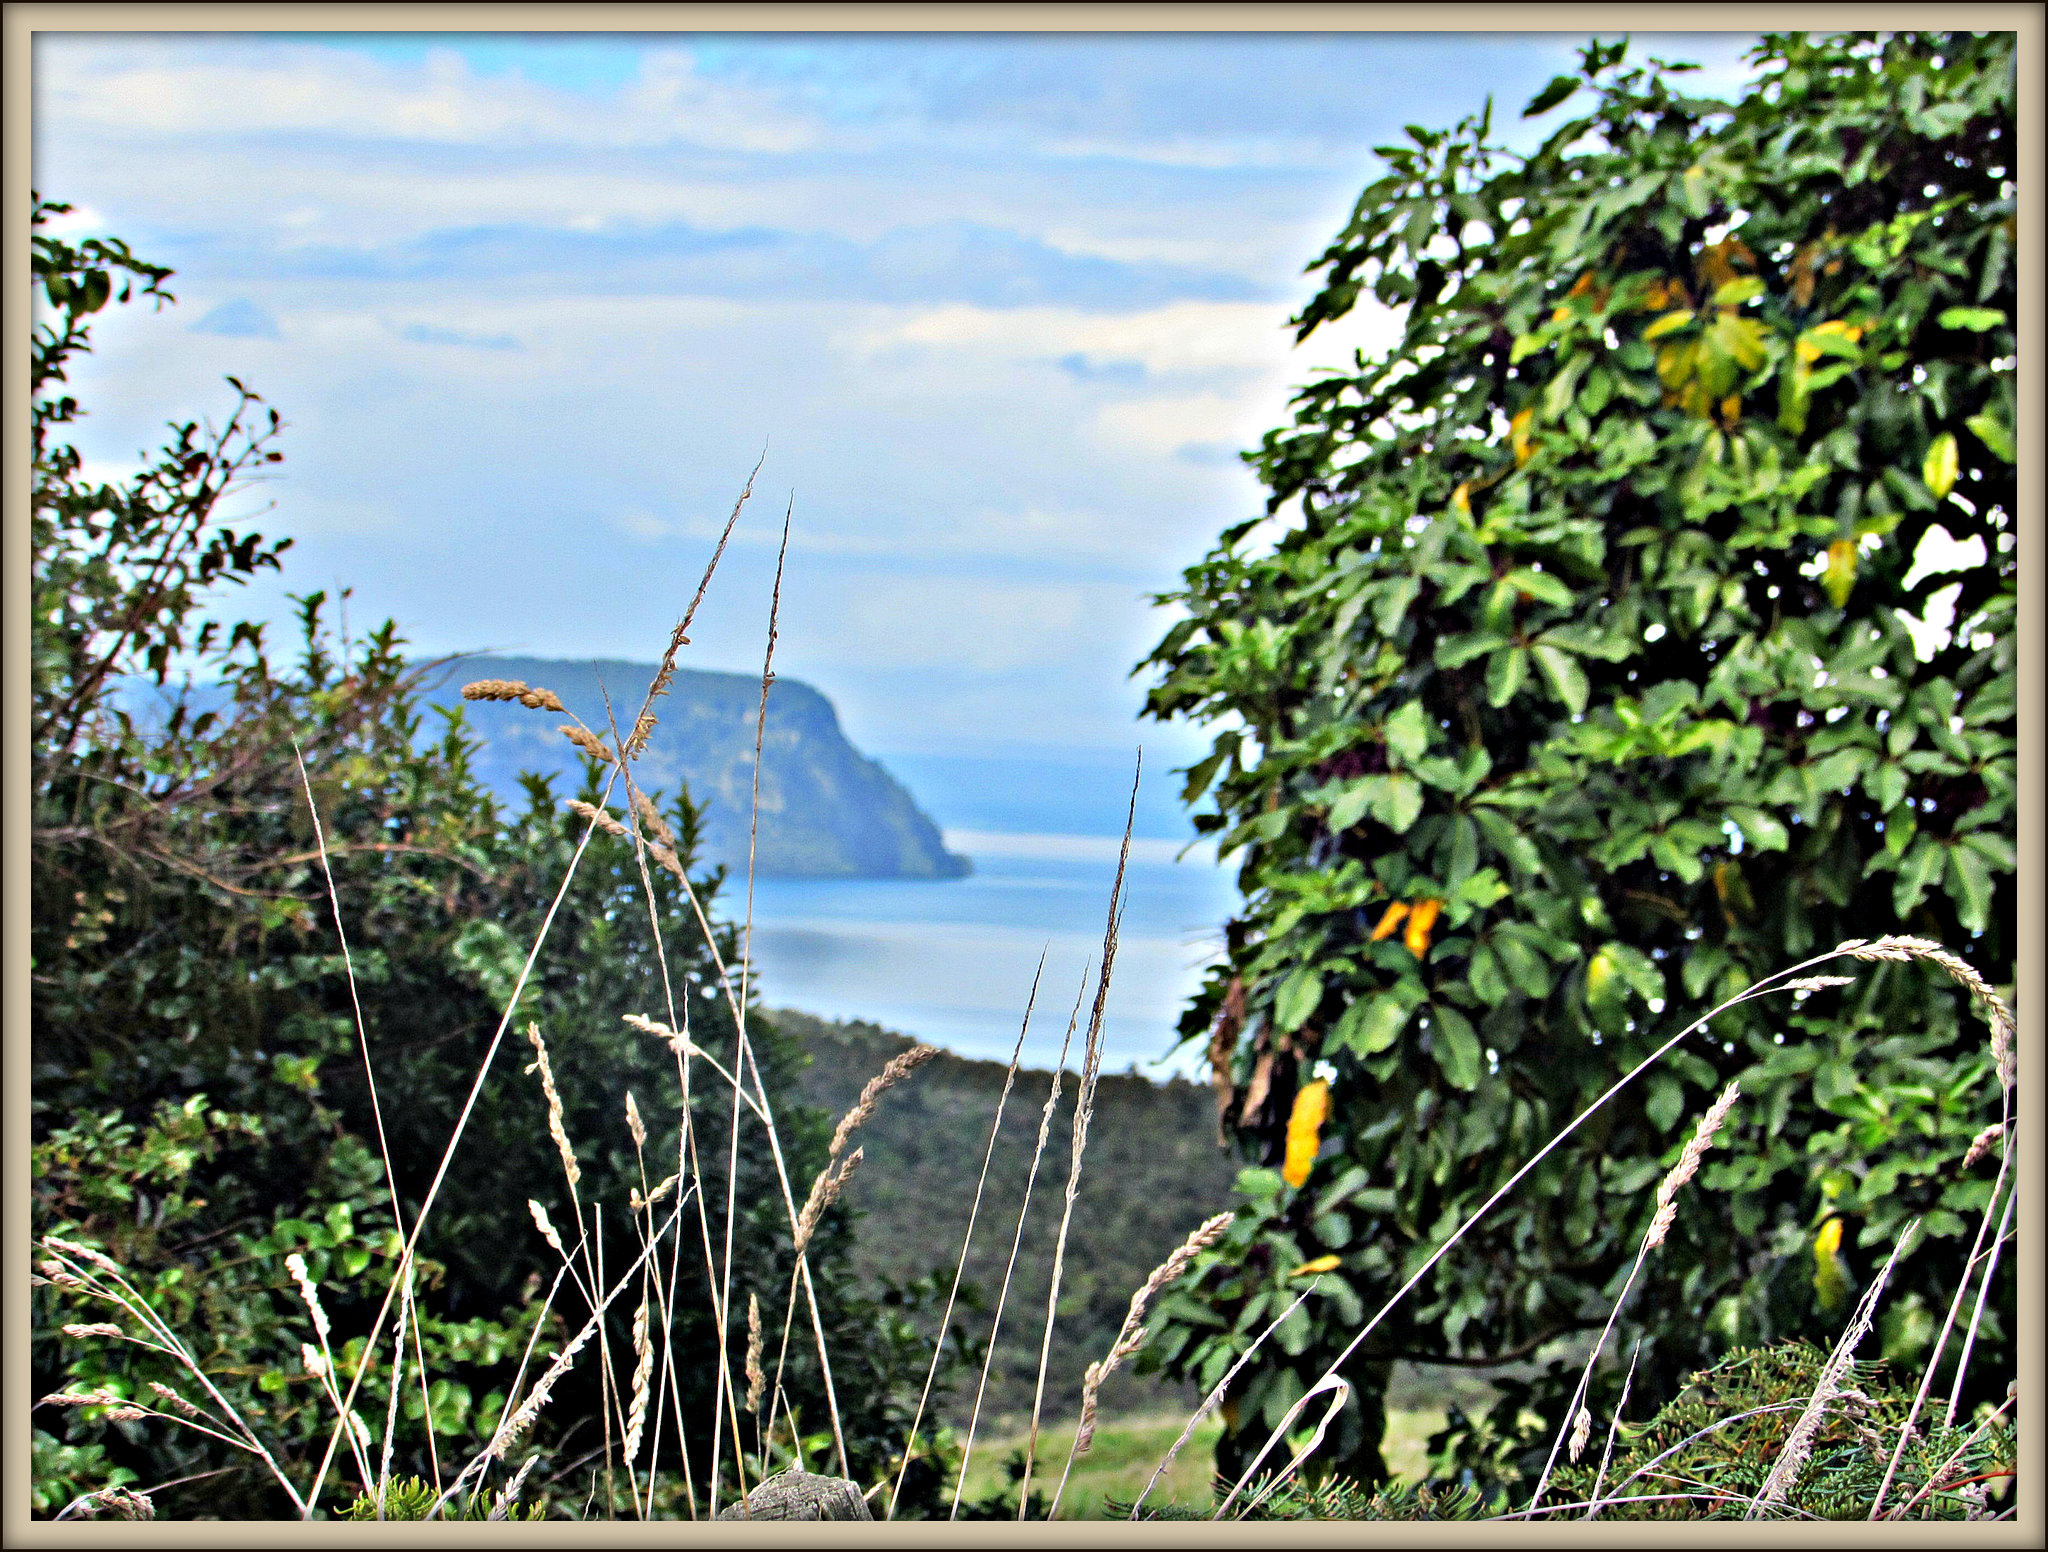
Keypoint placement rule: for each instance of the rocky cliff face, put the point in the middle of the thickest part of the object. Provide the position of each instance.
(827, 811)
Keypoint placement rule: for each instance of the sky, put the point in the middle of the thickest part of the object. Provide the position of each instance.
(996, 312)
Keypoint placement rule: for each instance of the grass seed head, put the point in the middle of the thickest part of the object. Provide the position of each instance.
(587, 741)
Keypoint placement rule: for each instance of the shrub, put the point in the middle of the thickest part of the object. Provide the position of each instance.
(202, 1040)
(1575, 687)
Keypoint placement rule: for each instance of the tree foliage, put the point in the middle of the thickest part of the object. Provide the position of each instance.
(202, 1105)
(1569, 686)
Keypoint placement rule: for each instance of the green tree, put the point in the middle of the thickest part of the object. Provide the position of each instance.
(1576, 691)
(201, 1104)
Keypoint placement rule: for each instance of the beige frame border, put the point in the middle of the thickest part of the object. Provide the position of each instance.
(22, 20)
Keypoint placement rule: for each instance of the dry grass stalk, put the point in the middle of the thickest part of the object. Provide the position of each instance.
(800, 1230)
(824, 1192)
(469, 1104)
(1799, 1443)
(1936, 1477)
(84, 1253)
(1687, 1166)
(679, 638)
(756, 1377)
(899, 1067)
(682, 1045)
(546, 1227)
(651, 820)
(516, 1422)
(1899, 948)
(634, 1125)
(93, 1328)
(1582, 1430)
(603, 818)
(678, 1043)
(995, 1326)
(520, 1420)
(1674, 1181)
(554, 1099)
(296, 1265)
(513, 690)
(1084, 1112)
(643, 1372)
(1131, 1335)
(84, 1274)
(638, 1201)
(1613, 1428)
(175, 1399)
(1981, 1143)
(587, 741)
(509, 1494)
(966, 1241)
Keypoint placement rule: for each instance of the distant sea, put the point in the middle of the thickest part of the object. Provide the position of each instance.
(951, 961)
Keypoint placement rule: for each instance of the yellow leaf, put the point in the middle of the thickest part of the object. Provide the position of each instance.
(1731, 409)
(1840, 577)
(1420, 921)
(1676, 364)
(1390, 923)
(1659, 327)
(1518, 435)
(1940, 469)
(1461, 499)
(1599, 976)
(1305, 1132)
(1320, 1264)
(1830, 1277)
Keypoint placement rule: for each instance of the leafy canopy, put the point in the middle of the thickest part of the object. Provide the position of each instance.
(1571, 684)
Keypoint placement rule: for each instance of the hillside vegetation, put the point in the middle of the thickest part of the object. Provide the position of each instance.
(1153, 1171)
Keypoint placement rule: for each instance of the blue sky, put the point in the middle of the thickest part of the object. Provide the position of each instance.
(1000, 308)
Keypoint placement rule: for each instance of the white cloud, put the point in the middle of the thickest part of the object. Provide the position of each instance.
(1178, 338)
(149, 87)
(986, 627)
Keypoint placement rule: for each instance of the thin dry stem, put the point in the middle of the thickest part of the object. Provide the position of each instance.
(966, 1242)
(1131, 1335)
(1084, 1112)
(1799, 1443)
(995, 1326)
(1674, 1180)
(899, 1067)
(1613, 1427)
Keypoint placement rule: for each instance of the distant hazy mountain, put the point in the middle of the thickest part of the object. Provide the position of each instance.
(827, 811)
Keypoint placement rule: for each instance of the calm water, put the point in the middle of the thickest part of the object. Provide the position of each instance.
(952, 961)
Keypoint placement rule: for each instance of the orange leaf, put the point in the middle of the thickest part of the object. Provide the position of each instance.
(1305, 1132)
(1390, 923)
(1419, 924)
